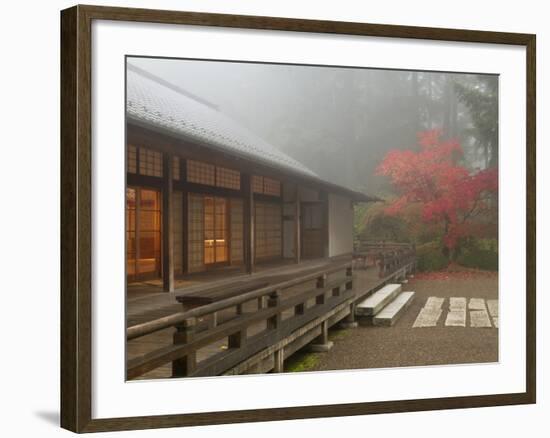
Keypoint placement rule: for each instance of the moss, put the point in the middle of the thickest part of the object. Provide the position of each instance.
(301, 362)
(337, 333)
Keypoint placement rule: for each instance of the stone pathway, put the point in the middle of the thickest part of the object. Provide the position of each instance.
(457, 312)
(481, 312)
(430, 313)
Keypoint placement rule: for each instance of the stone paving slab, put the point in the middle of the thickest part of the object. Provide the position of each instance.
(456, 318)
(430, 313)
(477, 304)
(457, 303)
(479, 319)
(434, 302)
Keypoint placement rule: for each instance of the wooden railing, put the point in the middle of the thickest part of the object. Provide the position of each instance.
(191, 334)
(389, 257)
(390, 262)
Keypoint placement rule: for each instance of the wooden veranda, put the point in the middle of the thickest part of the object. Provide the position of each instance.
(251, 332)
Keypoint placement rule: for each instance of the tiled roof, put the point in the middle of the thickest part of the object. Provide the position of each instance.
(152, 102)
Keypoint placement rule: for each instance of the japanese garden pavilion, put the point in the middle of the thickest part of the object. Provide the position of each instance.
(203, 193)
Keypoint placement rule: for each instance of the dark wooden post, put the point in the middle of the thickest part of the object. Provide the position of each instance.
(167, 228)
(278, 361)
(273, 301)
(185, 216)
(349, 276)
(297, 226)
(349, 321)
(237, 340)
(321, 284)
(183, 335)
(321, 343)
(248, 192)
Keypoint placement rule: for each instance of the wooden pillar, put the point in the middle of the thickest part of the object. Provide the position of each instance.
(184, 334)
(349, 321)
(297, 226)
(167, 229)
(248, 222)
(185, 216)
(278, 361)
(321, 344)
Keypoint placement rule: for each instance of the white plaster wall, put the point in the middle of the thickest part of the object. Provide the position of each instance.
(340, 225)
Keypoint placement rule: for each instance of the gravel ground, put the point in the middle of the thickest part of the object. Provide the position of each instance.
(401, 345)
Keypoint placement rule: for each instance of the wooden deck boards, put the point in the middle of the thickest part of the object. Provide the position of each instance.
(155, 305)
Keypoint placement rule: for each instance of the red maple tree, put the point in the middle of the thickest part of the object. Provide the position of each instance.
(447, 193)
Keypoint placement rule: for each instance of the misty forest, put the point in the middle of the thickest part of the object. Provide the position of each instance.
(425, 143)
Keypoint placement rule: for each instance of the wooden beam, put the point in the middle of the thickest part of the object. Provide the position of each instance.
(167, 228)
(144, 137)
(246, 184)
(297, 226)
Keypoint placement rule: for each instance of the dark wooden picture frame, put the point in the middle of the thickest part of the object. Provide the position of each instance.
(76, 217)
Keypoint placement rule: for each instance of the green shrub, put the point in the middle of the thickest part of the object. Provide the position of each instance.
(479, 258)
(430, 257)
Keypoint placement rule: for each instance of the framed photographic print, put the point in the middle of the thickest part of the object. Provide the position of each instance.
(271, 218)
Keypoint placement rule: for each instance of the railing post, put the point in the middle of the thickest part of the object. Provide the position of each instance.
(184, 334)
(273, 301)
(261, 302)
(349, 275)
(237, 340)
(321, 284)
(278, 360)
(213, 320)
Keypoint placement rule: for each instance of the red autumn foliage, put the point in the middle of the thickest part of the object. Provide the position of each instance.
(447, 193)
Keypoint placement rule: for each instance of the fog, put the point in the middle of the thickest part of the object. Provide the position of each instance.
(340, 122)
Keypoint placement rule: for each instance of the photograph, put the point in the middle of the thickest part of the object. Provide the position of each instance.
(299, 218)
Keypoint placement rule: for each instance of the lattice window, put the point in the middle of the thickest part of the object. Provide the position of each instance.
(150, 162)
(195, 254)
(237, 230)
(272, 187)
(201, 173)
(228, 178)
(177, 224)
(266, 186)
(176, 168)
(257, 184)
(268, 235)
(131, 159)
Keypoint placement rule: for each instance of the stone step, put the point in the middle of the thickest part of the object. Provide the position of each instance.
(393, 311)
(378, 300)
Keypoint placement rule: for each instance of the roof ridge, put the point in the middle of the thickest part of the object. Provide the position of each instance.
(163, 112)
(170, 85)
